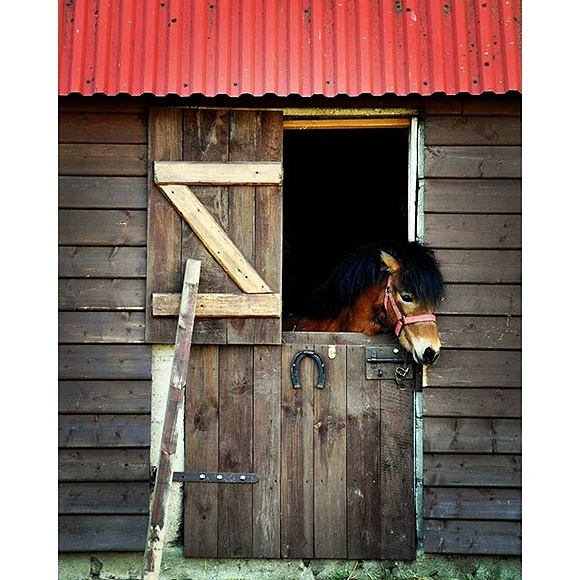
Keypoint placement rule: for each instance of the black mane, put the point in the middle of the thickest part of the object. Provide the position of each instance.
(420, 275)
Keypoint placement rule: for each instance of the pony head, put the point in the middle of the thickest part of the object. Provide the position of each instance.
(413, 288)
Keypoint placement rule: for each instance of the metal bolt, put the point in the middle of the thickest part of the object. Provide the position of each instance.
(219, 476)
(242, 477)
(201, 476)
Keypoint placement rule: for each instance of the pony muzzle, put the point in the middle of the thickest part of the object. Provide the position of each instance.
(430, 356)
(424, 351)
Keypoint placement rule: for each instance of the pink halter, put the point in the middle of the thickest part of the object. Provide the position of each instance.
(403, 320)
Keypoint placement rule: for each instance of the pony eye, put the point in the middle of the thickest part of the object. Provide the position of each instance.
(406, 298)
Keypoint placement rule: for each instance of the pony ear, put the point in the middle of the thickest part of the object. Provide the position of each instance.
(391, 263)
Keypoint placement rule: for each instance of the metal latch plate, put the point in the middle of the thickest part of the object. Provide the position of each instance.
(379, 361)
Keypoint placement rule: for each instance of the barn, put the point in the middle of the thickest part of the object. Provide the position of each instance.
(298, 131)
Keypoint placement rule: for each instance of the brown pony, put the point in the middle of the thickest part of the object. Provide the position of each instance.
(391, 287)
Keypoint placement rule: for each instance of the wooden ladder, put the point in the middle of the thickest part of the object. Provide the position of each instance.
(175, 402)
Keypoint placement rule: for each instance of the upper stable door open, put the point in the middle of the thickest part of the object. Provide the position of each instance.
(347, 183)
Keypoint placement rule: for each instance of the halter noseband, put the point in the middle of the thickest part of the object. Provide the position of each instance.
(401, 319)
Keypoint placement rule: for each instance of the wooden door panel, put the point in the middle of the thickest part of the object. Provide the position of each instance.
(335, 464)
(220, 173)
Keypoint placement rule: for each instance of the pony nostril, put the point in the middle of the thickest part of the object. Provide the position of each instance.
(430, 356)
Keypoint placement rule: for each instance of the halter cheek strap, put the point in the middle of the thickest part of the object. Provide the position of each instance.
(401, 319)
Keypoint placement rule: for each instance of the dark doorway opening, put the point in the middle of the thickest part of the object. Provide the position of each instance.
(342, 188)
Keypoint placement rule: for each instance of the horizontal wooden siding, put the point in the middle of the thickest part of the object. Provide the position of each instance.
(472, 403)
(104, 365)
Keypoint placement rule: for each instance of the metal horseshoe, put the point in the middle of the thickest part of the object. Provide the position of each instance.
(296, 363)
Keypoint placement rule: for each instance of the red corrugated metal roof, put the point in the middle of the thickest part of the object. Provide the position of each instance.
(283, 47)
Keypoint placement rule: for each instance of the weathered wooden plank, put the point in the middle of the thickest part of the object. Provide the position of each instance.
(463, 299)
(102, 192)
(257, 135)
(164, 260)
(495, 105)
(205, 139)
(113, 464)
(297, 489)
(206, 133)
(174, 406)
(473, 195)
(475, 470)
(330, 461)
(104, 396)
(100, 227)
(102, 127)
(101, 327)
(222, 305)
(464, 368)
(486, 266)
(485, 231)
(101, 533)
(232, 173)
(443, 105)
(215, 239)
(200, 530)
(364, 456)
(494, 332)
(104, 361)
(102, 262)
(101, 294)
(235, 450)
(492, 104)
(397, 473)
(501, 538)
(473, 130)
(245, 128)
(210, 331)
(117, 497)
(268, 218)
(104, 430)
(472, 435)
(266, 428)
(472, 402)
(472, 503)
(268, 261)
(81, 105)
(473, 161)
(102, 159)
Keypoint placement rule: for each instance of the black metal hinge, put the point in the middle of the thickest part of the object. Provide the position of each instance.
(215, 477)
(207, 477)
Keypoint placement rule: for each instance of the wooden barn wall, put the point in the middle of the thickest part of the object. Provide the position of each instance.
(472, 400)
(472, 404)
(104, 364)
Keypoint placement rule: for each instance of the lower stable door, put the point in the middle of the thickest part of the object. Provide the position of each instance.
(306, 450)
